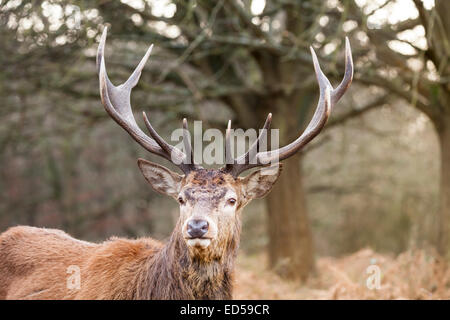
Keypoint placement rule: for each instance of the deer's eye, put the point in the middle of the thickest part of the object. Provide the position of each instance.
(181, 200)
(231, 201)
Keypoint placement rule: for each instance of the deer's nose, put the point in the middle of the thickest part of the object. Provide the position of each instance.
(196, 228)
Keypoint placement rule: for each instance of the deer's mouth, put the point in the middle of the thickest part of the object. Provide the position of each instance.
(202, 242)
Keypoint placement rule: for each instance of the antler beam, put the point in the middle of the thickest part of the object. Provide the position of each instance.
(327, 100)
(116, 100)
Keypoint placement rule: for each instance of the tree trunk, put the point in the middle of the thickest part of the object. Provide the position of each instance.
(290, 246)
(443, 221)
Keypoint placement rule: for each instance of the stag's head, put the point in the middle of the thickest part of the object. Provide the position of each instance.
(211, 200)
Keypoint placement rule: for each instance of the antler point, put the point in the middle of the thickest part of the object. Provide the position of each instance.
(149, 50)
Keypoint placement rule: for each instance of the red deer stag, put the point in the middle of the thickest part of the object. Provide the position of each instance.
(197, 262)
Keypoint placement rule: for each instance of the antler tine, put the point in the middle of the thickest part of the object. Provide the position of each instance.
(185, 166)
(187, 142)
(327, 99)
(244, 162)
(252, 151)
(161, 142)
(348, 75)
(229, 161)
(116, 100)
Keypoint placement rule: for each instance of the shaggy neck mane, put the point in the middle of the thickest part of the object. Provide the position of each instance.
(171, 273)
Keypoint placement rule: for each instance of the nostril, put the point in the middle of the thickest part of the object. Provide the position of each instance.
(197, 228)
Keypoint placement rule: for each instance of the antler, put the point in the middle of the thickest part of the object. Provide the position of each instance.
(327, 100)
(116, 101)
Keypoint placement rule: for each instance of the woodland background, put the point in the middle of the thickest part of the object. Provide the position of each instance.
(373, 188)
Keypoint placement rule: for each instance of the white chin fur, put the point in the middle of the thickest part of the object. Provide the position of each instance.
(204, 243)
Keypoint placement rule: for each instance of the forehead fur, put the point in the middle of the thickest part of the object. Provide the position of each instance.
(209, 185)
(209, 178)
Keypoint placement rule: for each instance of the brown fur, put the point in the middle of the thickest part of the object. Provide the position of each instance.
(34, 262)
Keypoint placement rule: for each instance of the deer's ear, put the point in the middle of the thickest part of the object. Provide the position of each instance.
(161, 179)
(259, 183)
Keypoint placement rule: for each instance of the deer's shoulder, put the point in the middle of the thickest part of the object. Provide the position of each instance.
(120, 255)
(128, 248)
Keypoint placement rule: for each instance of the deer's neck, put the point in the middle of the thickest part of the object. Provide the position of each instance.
(173, 274)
